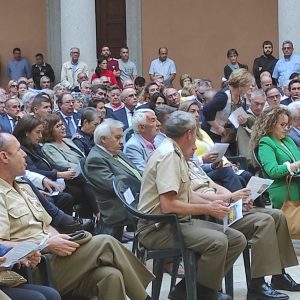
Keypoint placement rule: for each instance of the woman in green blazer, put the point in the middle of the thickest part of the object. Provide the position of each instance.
(277, 153)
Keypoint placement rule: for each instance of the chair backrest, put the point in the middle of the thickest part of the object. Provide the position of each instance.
(121, 184)
(255, 156)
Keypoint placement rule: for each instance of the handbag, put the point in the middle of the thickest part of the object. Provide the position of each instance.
(10, 278)
(291, 210)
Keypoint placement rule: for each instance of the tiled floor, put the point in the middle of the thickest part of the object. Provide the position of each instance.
(240, 289)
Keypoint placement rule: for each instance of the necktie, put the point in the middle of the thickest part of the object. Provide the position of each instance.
(131, 112)
(13, 124)
(127, 166)
(70, 125)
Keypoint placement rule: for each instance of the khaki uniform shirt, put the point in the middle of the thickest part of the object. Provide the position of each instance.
(165, 171)
(22, 216)
(200, 182)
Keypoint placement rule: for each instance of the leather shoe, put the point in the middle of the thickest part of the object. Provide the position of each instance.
(285, 282)
(179, 291)
(78, 224)
(265, 292)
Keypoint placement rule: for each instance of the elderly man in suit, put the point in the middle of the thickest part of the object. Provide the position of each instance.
(294, 132)
(139, 147)
(104, 162)
(129, 97)
(9, 119)
(65, 102)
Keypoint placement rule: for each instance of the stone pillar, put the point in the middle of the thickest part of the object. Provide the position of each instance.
(134, 32)
(289, 23)
(78, 29)
(54, 36)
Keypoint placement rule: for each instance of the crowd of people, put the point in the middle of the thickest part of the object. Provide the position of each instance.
(62, 145)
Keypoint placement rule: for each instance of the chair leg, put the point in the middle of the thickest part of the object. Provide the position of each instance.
(190, 267)
(158, 265)
(175, 268)
(229, 282)
(247, 264)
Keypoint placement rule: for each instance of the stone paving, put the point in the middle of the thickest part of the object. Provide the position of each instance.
(240, 289)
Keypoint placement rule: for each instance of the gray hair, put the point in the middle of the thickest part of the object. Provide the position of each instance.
(139, 118)
(293, 109)
(162, 110)
(28, 96)
(202, 83)
(43, 78)
(288, 42)
(209, 93)
(75, 48)
(104, 129)
(257, 93)
(58, 86)
(84, 83)
(179, 123)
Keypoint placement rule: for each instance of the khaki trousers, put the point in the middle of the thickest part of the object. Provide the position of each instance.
(3, 296)
(102, 267)
(217, 251)
(272, 249)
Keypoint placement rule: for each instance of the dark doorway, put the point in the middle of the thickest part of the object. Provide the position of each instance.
(111, 25)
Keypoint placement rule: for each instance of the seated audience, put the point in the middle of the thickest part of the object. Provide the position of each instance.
(22, 89)
(166, 189)
(266, 228)
(84, 138)
(172, 96)
(67, 114)
(139, 84)
(222, 172)
(276, 152)
(28, 131)
(12, 113)
(12, 89)
(257, 104)
(294, 90)
(103, 163)
(155, 99)
(150, 89)
(294, 132)
(63, 154)
(273, 96)
(114, 99)
(41, 106)
(99, 104)
(100, 267)
(141, 144)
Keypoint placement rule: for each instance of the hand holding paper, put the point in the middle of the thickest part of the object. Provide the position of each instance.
(237, 115)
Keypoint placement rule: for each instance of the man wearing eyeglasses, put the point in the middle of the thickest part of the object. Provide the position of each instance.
(9, 119)
(287, 65)
(273, 96)
(72, 68)
(40, 69)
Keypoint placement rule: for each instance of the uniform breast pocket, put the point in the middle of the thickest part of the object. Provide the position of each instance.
(185, 178)
(19, 215)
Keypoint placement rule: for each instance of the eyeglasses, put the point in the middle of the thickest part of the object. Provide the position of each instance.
(46, 82)
(285, 125)
(14, 85)
(16, 106)
(69, 102)
(75, 52)
(59, 125)
(175, 95)
(295, 88)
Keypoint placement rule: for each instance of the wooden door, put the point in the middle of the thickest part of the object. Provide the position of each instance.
(111, 25)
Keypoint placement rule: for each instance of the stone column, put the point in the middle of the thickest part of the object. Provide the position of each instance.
(289, 23)
(134, 32)
(78, 29)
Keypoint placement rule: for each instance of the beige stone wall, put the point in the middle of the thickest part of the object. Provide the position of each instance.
(23, 25)
(198, 33)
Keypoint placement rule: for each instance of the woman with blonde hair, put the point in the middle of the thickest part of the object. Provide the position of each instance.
(218, 110)
(276, 152)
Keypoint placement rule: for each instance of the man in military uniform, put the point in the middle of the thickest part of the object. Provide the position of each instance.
(101, 267)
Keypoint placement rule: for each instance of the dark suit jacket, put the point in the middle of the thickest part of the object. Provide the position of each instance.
(5, 125)
(287, 101)
(76, 118)
(295, 135)
(120, 115)
(100, 169)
